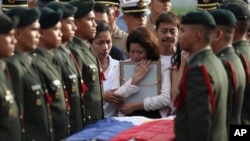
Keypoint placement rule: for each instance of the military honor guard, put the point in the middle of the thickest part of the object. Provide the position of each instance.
(222, 47)
(87, 61)
(134, 13)
(202, 101)
(72, 77)
(26, 81)
(10, 126)
(50, 72)
(242, 48)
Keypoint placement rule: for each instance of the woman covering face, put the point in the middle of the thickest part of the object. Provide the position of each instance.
(142, 44)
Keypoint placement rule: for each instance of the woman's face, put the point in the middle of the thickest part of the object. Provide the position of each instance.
(102, 44)
(137, 52)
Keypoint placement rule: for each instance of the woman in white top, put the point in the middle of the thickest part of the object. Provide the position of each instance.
(101, 45)
(142, 47)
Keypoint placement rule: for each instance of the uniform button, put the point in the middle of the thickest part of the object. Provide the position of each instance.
(93, 70)
(51, 130)
(37, 93)
(57, 95)
(74, 80)
(93, 77)
(38, 102)
(73, 89)
(68, 126)
(89, 117)
(10, 112)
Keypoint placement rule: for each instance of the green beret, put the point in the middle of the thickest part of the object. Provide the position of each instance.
(68, 10)
(83, 7)
(239, 8)
(7, 23)
(27, 15)
(223, 17)
(198, 17)
(49, 17)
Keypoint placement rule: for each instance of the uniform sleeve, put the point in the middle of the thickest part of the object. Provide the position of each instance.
(198, 105)
(163, 99)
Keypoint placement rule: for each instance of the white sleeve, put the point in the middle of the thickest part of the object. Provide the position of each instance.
(163, 99)
(126, 90)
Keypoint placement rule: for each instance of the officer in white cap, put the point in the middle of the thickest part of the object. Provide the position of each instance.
(134, 13)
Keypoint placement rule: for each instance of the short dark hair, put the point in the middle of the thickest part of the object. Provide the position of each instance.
(102, 26)
(147, 40)
(100, 8)
(167, 17)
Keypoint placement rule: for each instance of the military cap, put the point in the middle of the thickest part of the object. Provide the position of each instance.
(83, 7)
(7, 23)
(8, 4)
(134, 7)
(108, 2)
(198, 17)
(207, 4)
(49, 17)
(42, 3)
(27, 15)
(223, 17)
(68, 10)
(239, 8)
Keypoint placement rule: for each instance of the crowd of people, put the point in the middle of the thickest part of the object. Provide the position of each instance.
(60, 66)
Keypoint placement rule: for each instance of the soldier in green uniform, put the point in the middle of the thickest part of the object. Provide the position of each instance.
(222, 47)
(242, 48)
(202, 102)
(88, 63)
(10, 127)
(70, 70)
(26, 81)
(50, 72)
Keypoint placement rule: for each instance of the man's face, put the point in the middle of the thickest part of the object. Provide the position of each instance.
(159, 6)
(102, 44)
(133, 21)
(86, 26)
(8, 42)
(101, 17)
(52, 37)
(186, 36)
(28, 37)
(68, 29)
(167, 35)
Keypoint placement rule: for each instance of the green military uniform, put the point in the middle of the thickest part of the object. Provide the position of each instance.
(202, 102)
(31, 99)
(10, 128)
(236, 77)
(28, 86)
(89, 66)
(233, 67)
(242, 49)
(52, 82)
(8, 4)
(70, 73)
(72, 80)
(241, 46)
(91, 76)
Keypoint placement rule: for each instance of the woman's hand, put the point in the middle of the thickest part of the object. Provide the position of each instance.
(113, 98)
(141, 70)
(129, 107)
